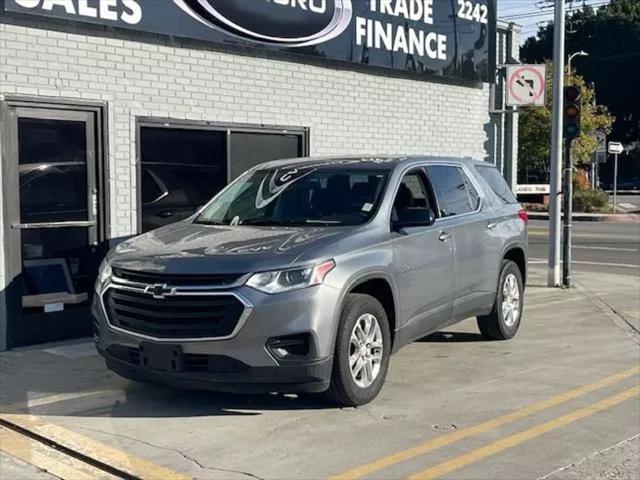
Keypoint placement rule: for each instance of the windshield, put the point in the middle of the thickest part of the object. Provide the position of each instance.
(299, 196)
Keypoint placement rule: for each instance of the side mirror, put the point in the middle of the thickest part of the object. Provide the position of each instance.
(414, 217)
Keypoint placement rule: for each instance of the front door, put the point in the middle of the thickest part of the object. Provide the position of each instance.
(52, 193)
(469, 221)
(424, 263)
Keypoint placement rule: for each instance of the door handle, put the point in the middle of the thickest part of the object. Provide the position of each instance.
(444, 236)
(164, 214)
(491, 225)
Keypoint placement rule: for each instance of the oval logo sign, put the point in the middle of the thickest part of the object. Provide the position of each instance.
(292, 23)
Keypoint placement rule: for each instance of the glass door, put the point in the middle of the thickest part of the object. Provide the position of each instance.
(54, 224)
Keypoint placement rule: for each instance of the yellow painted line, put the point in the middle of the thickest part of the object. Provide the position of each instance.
(483, 427)
(520, 437)
(46, 458)
(135, 466)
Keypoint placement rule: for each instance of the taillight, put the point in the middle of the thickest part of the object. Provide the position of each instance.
(523, 216)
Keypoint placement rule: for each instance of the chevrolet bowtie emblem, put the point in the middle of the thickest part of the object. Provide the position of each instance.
(159, 290)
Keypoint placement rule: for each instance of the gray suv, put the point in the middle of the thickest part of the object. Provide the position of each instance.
(304, 275)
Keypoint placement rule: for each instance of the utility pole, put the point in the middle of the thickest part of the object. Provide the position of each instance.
(553, 278)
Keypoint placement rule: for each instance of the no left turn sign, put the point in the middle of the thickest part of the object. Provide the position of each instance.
(525, 85)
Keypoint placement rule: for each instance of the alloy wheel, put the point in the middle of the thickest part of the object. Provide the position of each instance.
(510, 300)
(365, 350)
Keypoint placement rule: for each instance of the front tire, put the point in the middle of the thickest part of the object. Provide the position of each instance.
(504, 320)
(363, 347)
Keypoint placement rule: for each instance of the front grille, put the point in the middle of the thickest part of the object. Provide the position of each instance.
(177, 316)
(177, 280)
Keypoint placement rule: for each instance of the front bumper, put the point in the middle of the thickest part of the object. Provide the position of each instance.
(243, 363)
(304, 377)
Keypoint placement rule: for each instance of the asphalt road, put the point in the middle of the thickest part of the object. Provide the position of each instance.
(627, 203)
(597, 246)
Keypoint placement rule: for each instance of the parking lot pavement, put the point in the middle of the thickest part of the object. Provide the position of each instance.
(560, 399)
(15, 469)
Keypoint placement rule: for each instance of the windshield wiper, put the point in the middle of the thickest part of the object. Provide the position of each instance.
(203, 221)
(325, 222)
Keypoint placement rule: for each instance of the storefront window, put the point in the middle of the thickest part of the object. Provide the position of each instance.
(181, 169)
(251, 149)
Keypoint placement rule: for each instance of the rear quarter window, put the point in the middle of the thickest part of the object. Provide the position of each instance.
(497, 183)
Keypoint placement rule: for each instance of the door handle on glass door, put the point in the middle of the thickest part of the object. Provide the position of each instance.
(444, 236)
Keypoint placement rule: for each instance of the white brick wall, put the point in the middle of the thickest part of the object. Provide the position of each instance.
(348, 112)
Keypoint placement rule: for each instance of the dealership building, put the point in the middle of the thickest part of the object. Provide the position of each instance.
(119, 116)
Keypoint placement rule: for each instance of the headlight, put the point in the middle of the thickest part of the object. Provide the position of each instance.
(104, 274)
(293, 279)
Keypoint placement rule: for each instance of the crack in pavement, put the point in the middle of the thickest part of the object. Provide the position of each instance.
(189, 458)
(610, 311)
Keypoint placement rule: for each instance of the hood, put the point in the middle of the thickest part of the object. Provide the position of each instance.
(186, 247)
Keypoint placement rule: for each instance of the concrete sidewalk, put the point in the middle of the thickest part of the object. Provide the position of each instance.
(443, 384)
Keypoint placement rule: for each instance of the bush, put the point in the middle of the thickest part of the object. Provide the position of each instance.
(591, 201)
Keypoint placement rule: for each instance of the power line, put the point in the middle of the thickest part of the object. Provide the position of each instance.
(540, 11)
(533, 14)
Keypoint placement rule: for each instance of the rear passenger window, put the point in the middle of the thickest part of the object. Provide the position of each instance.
(493, 178)
(453, 190)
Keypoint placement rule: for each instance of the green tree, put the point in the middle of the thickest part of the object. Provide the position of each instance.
(611, 36)
(534, 131)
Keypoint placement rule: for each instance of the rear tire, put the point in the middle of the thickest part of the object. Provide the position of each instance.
(504, 320)
(357, 346)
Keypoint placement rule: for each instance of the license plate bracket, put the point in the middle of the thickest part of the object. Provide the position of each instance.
(159, 356)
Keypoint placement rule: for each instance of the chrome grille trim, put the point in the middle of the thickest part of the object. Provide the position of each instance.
(199, 290)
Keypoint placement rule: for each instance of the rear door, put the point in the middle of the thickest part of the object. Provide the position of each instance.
(424, 263)
(469, 220)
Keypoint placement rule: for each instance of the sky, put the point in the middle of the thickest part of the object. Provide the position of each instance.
(531, 14)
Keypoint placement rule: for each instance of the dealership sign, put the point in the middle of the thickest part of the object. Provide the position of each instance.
(446, 38)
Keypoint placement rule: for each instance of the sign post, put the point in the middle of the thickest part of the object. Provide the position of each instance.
(615, 148)
(600, 156)
(568, 212)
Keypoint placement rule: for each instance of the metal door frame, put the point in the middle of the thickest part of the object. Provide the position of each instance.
(11, 109)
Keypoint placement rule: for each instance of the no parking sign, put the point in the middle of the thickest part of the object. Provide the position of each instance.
(526, 85)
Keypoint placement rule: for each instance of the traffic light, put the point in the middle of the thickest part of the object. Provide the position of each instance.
(571, 114)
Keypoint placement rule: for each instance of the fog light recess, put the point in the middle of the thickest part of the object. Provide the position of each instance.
(290, 347)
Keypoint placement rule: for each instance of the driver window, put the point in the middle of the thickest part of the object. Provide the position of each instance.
(412, 193)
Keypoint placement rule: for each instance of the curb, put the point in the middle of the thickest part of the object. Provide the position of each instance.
(625, 192)
(591, 217)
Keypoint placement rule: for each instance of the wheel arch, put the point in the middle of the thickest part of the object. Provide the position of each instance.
(517, 254)
(380, 286)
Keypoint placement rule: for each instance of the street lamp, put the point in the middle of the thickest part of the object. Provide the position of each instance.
(581, 53)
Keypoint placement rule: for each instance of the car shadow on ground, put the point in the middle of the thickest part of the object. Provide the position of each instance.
(147, 400)
(452, 337)
(97, 392)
